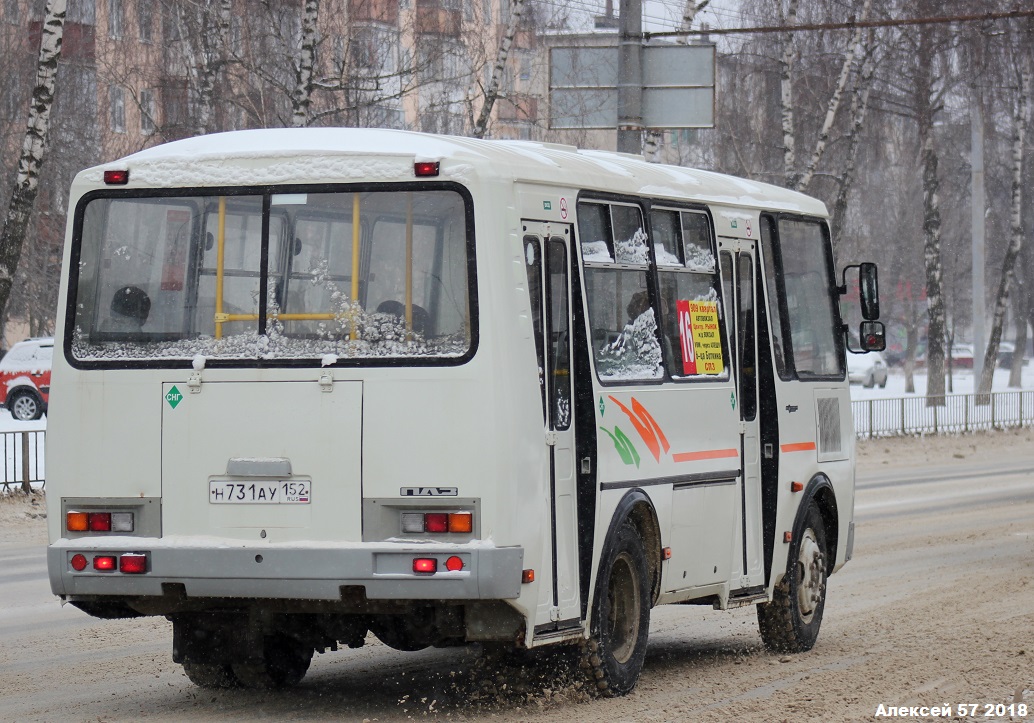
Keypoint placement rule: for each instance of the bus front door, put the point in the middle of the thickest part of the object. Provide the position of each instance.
(547, 255)
(738, 269)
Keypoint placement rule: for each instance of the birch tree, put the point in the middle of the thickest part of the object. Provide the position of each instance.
(34, 148)
(926, 103)
(494, 89)
(1020, 121)
(304, 71)
(849, 66)
(786, 73)
(203, 29)
(859, 108)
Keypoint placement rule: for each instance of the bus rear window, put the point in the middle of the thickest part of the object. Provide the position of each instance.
(320, 275)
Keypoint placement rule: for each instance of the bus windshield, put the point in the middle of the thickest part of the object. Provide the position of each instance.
(273, 275)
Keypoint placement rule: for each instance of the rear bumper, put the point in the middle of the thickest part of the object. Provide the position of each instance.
(296, 572)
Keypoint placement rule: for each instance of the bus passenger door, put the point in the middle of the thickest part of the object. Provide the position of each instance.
(738, 267)
(547, 255)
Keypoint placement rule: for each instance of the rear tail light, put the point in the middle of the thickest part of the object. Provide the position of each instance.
(425, 565)
(461, 522)
(438, 522)
(76, 522)
(100, 521)
(132, 563)
(105, 563)
(121, 521)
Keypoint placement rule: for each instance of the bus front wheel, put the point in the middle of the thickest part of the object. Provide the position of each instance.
(621, 615)
(790, 623)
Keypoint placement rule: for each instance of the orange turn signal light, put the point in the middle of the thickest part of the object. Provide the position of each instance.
(76, 522)
(461, 522)
(527, 576)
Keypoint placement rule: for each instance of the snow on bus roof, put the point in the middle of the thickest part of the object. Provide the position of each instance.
(325, 155)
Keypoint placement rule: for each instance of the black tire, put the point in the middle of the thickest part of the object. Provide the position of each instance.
(620, 626)
(25, 406)
(790, 623)
(211, 675)
(284, 664)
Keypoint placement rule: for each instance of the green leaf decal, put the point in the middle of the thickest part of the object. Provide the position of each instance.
(621, 435)
(623, 445)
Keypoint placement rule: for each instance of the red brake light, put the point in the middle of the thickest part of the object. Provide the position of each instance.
(132, 563)
(100, 521)
(426, 168)
(105, 562)
(116, 178)
(425, 564)
(436, 522)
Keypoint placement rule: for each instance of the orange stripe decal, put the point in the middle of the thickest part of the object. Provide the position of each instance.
(707, 454)
(797, 447)
(641, 411)
(648, 435)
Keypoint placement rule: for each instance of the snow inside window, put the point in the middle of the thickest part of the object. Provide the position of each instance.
(175, 278)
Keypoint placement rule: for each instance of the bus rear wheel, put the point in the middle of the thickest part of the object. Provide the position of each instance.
(210, 675)
(790, 623)
(284, 664)
(620, 626)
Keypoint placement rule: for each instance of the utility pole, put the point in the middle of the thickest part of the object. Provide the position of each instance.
(630, 77)
(976, 140)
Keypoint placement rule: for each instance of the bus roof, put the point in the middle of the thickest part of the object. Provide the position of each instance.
(325, 155)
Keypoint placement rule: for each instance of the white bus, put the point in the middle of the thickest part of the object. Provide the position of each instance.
(320, 383)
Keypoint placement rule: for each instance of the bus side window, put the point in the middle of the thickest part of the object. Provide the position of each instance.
(616, 259)
(775, 309)
(688, 289)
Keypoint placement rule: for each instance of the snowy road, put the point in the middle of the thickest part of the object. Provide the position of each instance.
(936, 608)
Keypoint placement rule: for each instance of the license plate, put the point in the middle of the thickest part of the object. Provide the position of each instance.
(272, 492)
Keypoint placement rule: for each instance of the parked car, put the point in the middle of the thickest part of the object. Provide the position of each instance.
(961, 356)
(25, 378)
(868, 369)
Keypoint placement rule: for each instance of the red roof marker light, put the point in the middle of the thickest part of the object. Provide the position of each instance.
(426, 168)
(116, 178)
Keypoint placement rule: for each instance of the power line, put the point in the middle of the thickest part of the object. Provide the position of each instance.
(849, 25)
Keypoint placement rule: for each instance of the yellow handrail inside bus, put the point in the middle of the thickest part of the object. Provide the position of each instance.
(409, 265)
(219, 256)
(355, 265)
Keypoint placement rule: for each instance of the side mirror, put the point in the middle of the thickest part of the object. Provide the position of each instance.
(869, 292)
(872, 335)
(868, 289)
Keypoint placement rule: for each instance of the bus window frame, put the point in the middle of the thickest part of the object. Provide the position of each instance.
(715, 274)
(791, 373)
(641, 204)
(266, 192)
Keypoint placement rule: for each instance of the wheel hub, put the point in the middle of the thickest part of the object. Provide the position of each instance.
(812, 568)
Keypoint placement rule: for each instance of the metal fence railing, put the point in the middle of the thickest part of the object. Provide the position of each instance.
(956, 413)
(23, 460)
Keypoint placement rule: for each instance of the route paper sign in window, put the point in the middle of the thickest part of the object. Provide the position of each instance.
(700, 338)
